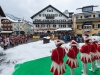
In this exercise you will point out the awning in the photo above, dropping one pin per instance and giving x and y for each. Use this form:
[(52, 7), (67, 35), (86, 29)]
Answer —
[(63, 29), (6, 31)]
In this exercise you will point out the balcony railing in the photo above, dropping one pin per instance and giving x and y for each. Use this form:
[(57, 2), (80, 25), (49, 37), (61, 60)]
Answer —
[(50, 22), (88, 30), (88, 19), (6, 26), (6, 22)]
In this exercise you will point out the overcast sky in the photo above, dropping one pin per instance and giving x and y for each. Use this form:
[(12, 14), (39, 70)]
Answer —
[(27, 8)]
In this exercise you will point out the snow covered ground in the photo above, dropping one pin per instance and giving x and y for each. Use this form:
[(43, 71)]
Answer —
[(24, 53)]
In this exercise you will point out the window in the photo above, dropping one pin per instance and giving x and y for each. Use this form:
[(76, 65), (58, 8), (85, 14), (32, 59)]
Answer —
[(60, 15), (96, 15), (79, 17), (56, 15), (64, 26), (37, 25), (52, 10), (49, 10), (8, 28), (44, 25), (61, 26), (87, 16), (95, 26), (54, 25), (79, 26), (48, 25), (87, 9), (99, 15), (5, 28), (40, 15), (93, 15)]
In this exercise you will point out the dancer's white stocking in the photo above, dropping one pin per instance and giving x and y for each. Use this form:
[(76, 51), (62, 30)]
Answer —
[(72, 71), (85, 69)]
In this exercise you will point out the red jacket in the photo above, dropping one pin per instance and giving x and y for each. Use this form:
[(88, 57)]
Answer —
[(72, 53), (12, 39), (5, 40), (58, 55), (93, 48), (98, 48), (86, 48)]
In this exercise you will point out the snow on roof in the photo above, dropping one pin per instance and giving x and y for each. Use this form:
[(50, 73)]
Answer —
[(63, 29), (11, 19)]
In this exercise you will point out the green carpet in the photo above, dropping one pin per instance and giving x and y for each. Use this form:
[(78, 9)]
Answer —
[(42, 67)]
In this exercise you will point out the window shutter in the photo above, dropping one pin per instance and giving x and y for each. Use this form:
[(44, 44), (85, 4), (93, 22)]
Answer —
[(93, 26), (98, 25), (81, 16), (77, 27), (82, 26)]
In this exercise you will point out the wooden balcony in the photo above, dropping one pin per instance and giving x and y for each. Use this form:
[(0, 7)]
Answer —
[(6, 22), (7, 29), (6, 26), (50, 22)]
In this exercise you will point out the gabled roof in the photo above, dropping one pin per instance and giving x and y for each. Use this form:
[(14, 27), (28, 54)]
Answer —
[(46, 8), (1, 12)]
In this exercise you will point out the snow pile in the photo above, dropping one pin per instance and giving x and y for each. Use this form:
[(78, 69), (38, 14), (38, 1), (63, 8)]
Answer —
[(47, 37), (95, 37)]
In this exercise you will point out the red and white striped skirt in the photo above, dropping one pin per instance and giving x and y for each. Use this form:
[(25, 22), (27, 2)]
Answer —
[(73, 63), (57, 69), (86, 58), (98, 54), (94, 56)]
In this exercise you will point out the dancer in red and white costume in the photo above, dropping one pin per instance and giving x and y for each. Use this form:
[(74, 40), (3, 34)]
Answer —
[(98, 50), (58, 66), (86, 55), (72, 56), (94, 54)]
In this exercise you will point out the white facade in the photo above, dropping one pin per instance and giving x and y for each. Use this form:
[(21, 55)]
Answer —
[(43, 24)]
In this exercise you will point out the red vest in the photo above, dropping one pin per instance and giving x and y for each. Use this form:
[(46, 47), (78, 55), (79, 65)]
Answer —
[(86, 48), (93, 48), (98, 48), (72, 53), (58, 55)]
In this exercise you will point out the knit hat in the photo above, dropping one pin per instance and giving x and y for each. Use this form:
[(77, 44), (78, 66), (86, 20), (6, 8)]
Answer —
[(57, 42)]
